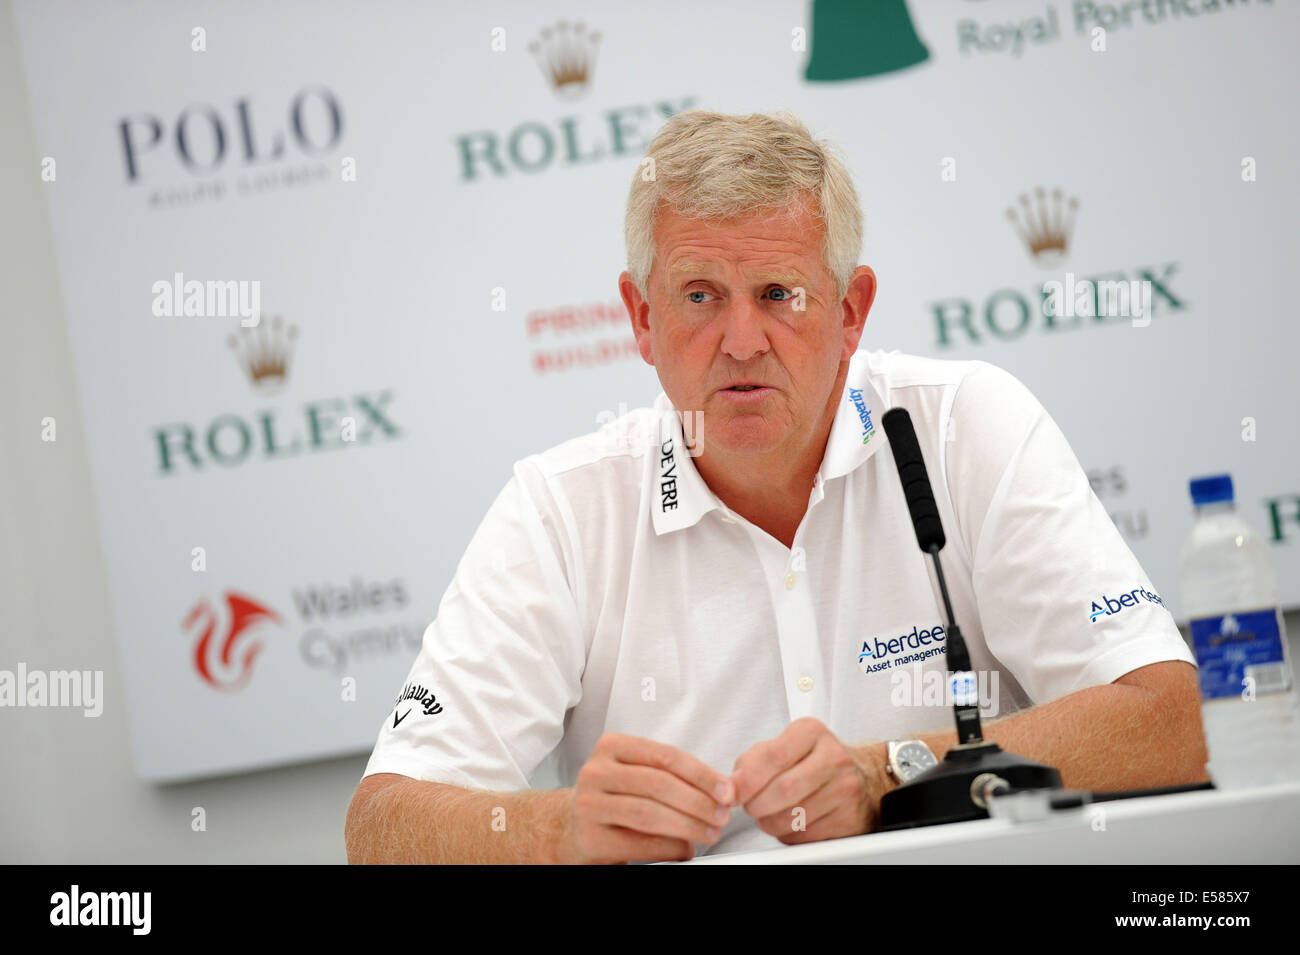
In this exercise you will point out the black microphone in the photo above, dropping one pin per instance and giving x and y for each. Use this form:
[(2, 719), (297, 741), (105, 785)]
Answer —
[(971, 772), (929, 535)]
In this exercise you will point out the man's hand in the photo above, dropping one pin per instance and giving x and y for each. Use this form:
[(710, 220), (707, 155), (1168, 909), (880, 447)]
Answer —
[(806, 785), (638, 800)]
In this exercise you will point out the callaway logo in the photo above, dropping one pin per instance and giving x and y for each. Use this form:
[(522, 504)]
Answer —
[(1110, 606), (422, 697)]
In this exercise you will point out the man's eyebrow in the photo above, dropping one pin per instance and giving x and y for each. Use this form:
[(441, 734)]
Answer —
[(790, 277), (686, 265)]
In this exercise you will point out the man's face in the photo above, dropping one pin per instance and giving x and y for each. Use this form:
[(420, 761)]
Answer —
[(747, 302)]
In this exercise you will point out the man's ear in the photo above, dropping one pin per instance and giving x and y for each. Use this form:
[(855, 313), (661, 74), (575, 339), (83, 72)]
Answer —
[(638, 310), (855, 306)]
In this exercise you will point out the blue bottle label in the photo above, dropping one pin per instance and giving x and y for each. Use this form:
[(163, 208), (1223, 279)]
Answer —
[(1240, 654)]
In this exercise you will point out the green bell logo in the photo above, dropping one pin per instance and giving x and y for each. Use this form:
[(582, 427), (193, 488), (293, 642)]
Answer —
[(852, 40)]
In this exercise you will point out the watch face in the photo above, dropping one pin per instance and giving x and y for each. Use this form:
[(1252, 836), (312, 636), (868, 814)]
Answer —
[(912, 759)]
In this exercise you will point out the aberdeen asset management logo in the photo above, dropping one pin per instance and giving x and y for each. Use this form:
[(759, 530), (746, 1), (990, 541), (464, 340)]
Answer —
[(914, 647), (227, 644), (1110, 606)]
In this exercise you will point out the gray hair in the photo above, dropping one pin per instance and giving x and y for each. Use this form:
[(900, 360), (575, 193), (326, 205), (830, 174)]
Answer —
[(717, 166)]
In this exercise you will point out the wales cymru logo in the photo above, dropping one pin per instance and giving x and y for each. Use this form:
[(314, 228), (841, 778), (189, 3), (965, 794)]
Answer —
[(227, 642)]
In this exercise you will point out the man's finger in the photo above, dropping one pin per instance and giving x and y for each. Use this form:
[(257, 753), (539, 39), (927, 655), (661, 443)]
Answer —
[(763, 762), (792, 787), (838, 823), (647, 752), (651, 818), (638, 847), (809, 812), (666, 788)]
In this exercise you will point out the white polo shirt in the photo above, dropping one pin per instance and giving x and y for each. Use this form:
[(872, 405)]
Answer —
[(608, 589)]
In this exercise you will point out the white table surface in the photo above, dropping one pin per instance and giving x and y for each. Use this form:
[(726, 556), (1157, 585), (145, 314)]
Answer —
[(1197, 828)]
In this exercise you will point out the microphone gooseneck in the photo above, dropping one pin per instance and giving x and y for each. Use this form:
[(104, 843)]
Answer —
[(929, 535), (975, 769)]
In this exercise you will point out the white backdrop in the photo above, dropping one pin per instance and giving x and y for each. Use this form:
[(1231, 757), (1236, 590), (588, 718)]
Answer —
[(456, 298)]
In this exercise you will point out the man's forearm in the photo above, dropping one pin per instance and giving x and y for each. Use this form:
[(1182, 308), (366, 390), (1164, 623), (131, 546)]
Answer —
[(415, 822), (1108, 737)]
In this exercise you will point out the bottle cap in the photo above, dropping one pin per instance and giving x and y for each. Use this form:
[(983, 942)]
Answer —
[(1211, 490)]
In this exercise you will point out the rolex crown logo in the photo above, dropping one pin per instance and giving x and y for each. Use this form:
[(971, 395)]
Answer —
[(1045, 224), (566, 53), (263, 352)]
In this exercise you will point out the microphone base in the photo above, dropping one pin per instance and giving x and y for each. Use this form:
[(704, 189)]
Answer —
[(942, 793)]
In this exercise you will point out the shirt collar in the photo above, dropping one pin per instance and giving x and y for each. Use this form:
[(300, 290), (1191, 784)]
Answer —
[(678, 495), (856, 431)]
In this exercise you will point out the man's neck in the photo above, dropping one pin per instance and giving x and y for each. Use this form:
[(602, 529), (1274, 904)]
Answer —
[(771, 490)]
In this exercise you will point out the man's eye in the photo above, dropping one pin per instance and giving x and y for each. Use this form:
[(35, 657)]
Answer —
[(783, 294), (692, 296)]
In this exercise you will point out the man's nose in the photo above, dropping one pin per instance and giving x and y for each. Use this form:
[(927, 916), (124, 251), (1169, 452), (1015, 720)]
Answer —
[(743, 335)]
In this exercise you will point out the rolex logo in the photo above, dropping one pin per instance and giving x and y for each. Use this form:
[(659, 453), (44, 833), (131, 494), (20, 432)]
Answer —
[(566, 54), (1044, 224), (263, 352)]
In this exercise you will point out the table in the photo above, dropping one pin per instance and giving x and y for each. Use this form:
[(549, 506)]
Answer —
[(1209, 827)]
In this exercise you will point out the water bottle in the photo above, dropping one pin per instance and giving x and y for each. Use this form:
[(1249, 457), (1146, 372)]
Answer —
[(1249, 705)]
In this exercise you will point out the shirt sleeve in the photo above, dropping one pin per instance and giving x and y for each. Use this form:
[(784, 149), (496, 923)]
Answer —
[(501, 664), (1063, 602)]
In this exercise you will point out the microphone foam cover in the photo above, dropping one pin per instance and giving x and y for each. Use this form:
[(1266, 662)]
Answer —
[(915, 480)]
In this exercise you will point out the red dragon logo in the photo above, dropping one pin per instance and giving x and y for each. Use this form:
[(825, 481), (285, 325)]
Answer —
[(225, 658)]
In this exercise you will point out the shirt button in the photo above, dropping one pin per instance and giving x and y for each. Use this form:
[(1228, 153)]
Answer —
[(805, 683), (790, 581)]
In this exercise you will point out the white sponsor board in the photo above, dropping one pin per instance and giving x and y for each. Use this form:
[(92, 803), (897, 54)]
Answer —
[(429, 199)]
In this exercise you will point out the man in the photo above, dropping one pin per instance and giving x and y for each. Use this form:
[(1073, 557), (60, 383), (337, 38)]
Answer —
[(713, 613)]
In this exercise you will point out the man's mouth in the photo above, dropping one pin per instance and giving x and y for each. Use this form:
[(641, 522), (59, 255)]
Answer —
[(747, 392)]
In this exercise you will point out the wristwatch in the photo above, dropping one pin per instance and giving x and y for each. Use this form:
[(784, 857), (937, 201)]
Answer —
[(908, 758)]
